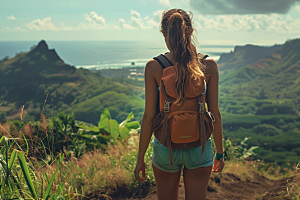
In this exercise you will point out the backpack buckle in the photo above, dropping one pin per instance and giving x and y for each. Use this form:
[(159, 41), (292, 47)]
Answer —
[(201, 107), (167, 106)]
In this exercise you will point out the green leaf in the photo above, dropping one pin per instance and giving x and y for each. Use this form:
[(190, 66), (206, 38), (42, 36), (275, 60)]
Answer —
[(26, 174), (129, 118), (133, 125), (124, 133), (89, 128), (111, 126), (104, 115), (12, 159), (2, 139), (254, 149)]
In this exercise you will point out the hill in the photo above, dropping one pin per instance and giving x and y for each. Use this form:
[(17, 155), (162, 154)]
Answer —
[(40, 75), (261, 100), (244, 55)]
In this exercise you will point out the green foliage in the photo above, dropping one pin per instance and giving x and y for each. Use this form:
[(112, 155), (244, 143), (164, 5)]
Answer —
[(238, 151), (242, 152), (62, 133), (16, 170), (149, 175), (266, 130), (109, 128)]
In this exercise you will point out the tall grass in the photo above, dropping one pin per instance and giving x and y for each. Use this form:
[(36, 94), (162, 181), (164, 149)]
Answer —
[(19, 179), (111, 170)]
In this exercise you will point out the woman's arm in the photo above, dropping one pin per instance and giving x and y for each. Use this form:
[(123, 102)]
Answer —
[(150, 109), (213, 104)]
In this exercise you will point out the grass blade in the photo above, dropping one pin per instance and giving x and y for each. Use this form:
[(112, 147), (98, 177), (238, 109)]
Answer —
[(6, 159), (46, 177), (25, 171), (2, 138), (52, 178), (17, 182), (42, 188), (26, 143), (12, 159)]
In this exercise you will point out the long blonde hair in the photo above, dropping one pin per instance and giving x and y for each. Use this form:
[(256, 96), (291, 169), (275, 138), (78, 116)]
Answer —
[(177, 26)]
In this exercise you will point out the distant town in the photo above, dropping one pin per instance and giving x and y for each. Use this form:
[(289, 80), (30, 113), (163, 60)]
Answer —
[(125, 72)]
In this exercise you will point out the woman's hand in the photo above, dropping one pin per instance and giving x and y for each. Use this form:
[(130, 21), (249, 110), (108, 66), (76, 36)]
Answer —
[(218, 165), (140, 166)]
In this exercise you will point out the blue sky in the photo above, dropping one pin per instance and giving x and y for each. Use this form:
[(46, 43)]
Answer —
[(218, 22)]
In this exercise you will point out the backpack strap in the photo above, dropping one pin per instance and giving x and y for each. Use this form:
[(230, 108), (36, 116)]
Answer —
[(166, 135), (202, 56), (163, 61), (201, 119)]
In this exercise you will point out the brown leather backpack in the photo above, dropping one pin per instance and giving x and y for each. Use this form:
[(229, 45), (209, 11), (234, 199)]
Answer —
[(187, 127)]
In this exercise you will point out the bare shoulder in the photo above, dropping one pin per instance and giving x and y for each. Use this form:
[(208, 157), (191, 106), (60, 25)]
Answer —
[(153, 68), (211, 67)]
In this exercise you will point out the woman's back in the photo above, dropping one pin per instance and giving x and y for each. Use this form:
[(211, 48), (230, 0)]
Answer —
[(177, 29)]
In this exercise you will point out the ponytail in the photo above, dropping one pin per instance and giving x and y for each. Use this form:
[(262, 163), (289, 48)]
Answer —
[(178, 29)]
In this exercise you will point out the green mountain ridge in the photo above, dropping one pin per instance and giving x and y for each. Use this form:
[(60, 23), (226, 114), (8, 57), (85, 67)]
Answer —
[(27, 78), (262, 101), (244, 55), (278, 73)]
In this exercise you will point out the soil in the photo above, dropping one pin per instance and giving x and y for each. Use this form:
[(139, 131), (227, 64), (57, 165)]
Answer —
[(227, 187)]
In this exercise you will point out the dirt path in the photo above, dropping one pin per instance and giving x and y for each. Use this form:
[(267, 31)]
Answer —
[(227, 187)]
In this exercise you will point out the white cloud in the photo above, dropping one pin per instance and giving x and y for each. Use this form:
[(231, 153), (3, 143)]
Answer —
[(137, 22), (11, 17), (41, 25), (93, 21), (273, 22), (260, 22), (123, 24), (16, 29), (297, 9), (46, 25), (135, 14), (165, 3)]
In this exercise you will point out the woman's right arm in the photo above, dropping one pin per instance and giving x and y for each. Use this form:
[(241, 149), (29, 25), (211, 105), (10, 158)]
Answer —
[(213, 106)]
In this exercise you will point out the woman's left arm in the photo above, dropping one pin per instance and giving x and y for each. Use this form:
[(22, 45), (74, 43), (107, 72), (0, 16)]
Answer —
[(149, 113)]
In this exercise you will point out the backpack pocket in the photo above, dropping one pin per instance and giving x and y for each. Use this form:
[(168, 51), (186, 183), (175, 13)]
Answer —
[(184, 126)]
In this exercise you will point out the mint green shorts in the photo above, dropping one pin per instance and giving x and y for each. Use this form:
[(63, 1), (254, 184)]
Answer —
[(189, 158)]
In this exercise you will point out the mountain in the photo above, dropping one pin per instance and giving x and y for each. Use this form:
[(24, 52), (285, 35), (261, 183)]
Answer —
[(261, 101), (244, 55), (282, 63), (40, 75), (271, 82)]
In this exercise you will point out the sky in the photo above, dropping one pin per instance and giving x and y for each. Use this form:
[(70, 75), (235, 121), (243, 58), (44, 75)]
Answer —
[(218, 22)]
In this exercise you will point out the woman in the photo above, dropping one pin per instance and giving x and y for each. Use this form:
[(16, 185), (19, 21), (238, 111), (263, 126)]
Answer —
[(177, 29)]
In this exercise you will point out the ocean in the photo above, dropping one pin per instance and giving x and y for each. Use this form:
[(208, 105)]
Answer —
[(105, 54)]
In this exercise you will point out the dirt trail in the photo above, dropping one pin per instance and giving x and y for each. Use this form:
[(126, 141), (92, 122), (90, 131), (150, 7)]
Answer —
[(227, 187)]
